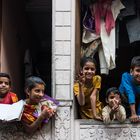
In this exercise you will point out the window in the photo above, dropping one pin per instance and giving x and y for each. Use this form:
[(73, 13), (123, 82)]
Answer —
[(125, 50)]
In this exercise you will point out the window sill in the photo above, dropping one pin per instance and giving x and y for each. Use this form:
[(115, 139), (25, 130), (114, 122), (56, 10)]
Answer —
[(95, 122)]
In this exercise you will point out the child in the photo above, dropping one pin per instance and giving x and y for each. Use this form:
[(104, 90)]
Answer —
[(86, 89), (39, 108), (6, 96), (130, 89), (113, 110)]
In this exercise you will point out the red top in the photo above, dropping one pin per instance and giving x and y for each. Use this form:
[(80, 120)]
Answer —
[(9, 98)]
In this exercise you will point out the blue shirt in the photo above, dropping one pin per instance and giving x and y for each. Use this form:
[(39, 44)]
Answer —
[(129, 87)]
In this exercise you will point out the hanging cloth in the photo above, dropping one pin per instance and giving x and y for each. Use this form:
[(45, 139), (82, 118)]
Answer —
[(108, 42), (102, 10)]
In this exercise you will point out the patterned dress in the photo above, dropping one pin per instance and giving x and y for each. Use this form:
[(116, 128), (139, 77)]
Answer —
[(32, 112)]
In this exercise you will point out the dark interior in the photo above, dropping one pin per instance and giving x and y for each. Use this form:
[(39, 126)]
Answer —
[(124, 53), (38, 18)]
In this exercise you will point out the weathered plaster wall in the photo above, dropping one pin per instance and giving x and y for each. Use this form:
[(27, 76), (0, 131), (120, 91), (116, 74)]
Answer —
[(63, 48)]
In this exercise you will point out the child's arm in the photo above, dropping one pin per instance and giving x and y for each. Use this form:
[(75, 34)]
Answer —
[(34, 126), (121, 114), (93, 104), (114, 109), (81, 96), (126, 87), (106, 115), (134, 117)]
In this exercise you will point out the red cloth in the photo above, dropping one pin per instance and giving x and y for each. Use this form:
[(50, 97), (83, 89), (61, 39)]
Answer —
[(102, 10), (28, 114), (10, 98)]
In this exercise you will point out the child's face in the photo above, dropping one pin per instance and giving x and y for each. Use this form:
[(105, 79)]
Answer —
[(89, 70), (136, 74), (4, 86), (36, 93), (113, 99)]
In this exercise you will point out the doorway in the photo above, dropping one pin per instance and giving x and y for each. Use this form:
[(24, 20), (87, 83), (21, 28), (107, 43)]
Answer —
[(125, 51)]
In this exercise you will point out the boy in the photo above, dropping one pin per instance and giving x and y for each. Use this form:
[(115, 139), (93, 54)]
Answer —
[(113, 110), (130, 88), (6, 96)]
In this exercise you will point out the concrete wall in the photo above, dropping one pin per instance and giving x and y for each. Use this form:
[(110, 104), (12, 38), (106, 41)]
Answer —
[(63, 66)]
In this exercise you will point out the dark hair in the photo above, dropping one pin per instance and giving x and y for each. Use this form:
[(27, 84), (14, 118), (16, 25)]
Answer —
[(84, 60), (135, 62), (31, 82), (2, 74), (112, 89)]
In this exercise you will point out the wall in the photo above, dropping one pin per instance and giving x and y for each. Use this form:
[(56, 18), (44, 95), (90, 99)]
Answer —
[(66, 127), (63, 66)]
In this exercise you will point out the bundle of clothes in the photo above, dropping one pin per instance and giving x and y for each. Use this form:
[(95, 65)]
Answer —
[(99, 23)]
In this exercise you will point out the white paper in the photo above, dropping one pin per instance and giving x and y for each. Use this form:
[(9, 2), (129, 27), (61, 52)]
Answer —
[(11, 112)]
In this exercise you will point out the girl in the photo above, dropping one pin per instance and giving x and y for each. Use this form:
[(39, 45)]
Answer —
[(86, 89), (39, 108)]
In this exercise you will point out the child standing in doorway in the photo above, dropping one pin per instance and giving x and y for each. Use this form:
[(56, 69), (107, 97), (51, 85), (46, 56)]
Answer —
[(39, 108), (86, 90), (6, 96)]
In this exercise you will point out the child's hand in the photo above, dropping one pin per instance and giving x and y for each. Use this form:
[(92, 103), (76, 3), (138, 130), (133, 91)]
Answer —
[(115, 109), (134, 118), (115, 106), (96, 117), (80, 78), (47, 112)]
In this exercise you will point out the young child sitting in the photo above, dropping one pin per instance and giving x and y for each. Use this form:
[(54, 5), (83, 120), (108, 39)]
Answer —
[(39, 108), (114, 110), (6, 96), (130, 90), (86, 89)]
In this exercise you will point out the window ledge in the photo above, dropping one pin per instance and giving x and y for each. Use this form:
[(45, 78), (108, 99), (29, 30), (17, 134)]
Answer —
[(95, 122), (91, 130)]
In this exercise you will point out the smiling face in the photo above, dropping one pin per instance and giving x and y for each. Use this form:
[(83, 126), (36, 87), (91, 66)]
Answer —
[(89, 70), (136, 74), (36, 93), (4, 86)]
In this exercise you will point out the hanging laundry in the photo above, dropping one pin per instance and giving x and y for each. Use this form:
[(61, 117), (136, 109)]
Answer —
[(106, 30), (101, 10), (133, 28), (131, 15)]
